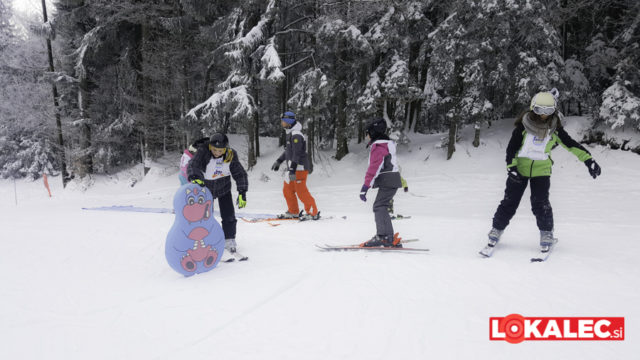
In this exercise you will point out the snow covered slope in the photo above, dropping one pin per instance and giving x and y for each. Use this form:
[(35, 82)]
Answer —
[(95, 285)]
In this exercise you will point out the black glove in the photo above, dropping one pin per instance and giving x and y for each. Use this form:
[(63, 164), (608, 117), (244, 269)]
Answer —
[(514, 174), (594, 168), (276, 165)]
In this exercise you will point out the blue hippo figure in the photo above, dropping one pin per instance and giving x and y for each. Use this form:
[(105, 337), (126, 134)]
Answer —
[(195, 242)]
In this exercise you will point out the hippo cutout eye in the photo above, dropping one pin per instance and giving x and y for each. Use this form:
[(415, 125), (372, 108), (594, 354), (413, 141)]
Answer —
[(191, 201), (200, 199)]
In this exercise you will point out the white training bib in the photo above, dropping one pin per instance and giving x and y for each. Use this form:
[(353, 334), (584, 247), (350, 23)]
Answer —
[(533, 147), (216, 169)]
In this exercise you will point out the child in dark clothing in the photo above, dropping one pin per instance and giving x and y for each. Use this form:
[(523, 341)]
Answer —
[(383, 173), (213, 166)]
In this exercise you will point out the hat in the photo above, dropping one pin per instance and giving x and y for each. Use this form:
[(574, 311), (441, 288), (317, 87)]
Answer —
[(289, 117), (219, 141), (377, 126)]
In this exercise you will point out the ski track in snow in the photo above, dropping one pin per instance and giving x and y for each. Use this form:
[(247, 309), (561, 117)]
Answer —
[(95, 284)]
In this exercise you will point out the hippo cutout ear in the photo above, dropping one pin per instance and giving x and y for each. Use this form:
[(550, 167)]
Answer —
[(195, 242)]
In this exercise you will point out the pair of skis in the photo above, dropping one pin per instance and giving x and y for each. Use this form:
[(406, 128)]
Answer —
[(231, 256), (359, 247), (541, 256)]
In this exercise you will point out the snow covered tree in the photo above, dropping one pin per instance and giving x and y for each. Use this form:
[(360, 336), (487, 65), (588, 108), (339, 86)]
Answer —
[(620, 108), (344, 49), (235, 96), (577, 86), (310, 99), (27, 130)]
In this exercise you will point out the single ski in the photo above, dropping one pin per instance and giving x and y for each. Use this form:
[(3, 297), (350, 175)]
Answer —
[(238, 256), (487, 250), (327, 247), (227, 257), (543, 255), (273, 221), (257, 220), (400, 217)]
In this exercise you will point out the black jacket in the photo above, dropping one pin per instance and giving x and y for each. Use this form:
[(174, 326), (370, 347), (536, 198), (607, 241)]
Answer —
[(219, 182)]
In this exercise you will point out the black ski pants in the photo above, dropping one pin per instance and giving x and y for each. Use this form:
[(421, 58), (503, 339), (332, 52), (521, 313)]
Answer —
[(228, 215), (539, 202)]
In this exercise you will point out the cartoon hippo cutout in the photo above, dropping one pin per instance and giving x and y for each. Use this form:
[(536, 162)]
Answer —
[(195, 242)]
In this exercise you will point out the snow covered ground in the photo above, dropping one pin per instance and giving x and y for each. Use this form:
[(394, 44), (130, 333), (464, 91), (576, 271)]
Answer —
[(95, 284)]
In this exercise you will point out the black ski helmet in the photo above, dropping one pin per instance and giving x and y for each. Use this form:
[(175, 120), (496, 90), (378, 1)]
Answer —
[(219, 140), (376, 127)]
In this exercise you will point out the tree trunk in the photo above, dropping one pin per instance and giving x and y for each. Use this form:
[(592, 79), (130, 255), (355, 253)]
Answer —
[(54, 88), (476, 137), (251, 133), (86, 158), (453, 129), (341, 127), (311, 140)]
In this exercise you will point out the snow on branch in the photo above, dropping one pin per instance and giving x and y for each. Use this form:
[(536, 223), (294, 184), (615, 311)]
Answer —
[(236, 101), (271, 64), (89, 40), (43, 30), (256, 34)]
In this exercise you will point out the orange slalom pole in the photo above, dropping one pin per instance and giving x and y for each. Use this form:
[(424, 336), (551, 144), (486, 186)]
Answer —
[(46, 183)]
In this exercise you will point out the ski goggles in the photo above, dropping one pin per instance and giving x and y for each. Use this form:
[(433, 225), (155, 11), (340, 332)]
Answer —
[(544, 110)]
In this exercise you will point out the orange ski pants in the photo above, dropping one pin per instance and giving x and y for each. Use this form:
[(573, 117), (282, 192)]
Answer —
[(299, 188)]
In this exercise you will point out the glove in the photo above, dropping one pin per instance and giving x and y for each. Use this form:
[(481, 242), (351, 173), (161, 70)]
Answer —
[(276, 165), (242, 200), (405, 186), (594, 168), (292, 176), (514, 174), (198, 182), (363, 193)]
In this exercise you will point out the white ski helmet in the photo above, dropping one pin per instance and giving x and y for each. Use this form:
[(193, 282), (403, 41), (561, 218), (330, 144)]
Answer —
[(543, 103)]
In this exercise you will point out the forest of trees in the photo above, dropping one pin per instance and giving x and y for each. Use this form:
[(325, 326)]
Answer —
[(94, 86)]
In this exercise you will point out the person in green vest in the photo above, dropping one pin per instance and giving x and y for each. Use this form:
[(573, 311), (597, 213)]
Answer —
[(537, 131)]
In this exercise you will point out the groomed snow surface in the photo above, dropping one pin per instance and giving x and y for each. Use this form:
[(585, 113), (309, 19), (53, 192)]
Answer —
[(78, 284)]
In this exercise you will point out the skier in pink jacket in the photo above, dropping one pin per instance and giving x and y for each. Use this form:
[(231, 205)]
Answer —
[(383, 173), (187, 155)]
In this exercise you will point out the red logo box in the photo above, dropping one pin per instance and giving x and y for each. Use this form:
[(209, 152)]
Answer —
[(516, 328)]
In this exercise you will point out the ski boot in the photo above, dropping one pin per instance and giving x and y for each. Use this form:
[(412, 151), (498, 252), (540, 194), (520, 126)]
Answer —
[(546, 240), (383, 240), (288, 215), (230, 245), (309, 216), (494, 237)]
